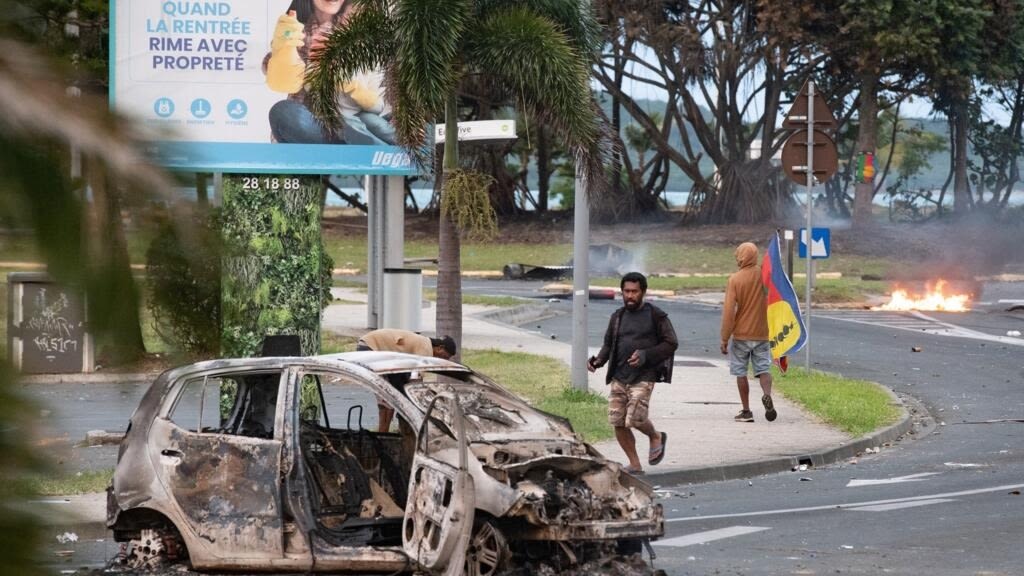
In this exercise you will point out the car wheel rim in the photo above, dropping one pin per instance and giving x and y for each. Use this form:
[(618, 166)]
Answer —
[(487, 551)]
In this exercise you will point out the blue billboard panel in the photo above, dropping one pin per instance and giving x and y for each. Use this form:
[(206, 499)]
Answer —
[(219, 88)]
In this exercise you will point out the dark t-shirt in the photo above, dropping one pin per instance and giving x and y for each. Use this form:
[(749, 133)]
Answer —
[(636, 332)]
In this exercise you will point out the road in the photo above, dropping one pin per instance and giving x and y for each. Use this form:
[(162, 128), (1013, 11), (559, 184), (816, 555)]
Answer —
[(948, 503)]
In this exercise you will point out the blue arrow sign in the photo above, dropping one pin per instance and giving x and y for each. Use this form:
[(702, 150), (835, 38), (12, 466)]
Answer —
[(821, 243)]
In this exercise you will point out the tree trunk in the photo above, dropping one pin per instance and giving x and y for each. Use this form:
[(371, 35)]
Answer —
[(617, 128), (960, 190), (864, 192), (449, 279), (119, 315), (202, 196), (543, 168)]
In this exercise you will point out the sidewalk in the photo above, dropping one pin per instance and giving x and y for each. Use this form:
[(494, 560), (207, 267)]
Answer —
[(695, 410)]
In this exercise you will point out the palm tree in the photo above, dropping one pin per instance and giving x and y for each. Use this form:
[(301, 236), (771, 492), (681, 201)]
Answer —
[(539, 50)]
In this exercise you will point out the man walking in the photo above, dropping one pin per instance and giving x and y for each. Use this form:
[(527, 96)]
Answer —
[(745, 321), (640, 343), (394, 340)]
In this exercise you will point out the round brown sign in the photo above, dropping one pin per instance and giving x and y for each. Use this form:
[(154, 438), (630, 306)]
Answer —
[(794, 157)]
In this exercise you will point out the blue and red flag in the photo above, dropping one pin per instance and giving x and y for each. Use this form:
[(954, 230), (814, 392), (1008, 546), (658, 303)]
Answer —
[(786, 333)]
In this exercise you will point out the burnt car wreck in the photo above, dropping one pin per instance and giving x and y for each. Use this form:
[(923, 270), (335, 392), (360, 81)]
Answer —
[(270, 465)]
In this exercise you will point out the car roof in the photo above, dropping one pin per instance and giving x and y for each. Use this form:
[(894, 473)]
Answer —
[(384, 362)]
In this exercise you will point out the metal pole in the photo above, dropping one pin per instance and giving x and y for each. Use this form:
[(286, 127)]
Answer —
[(375, 250), (790, 247), (810, 203), (580, 280)]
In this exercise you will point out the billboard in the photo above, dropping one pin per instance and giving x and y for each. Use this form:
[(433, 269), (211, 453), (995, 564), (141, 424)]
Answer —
[(219, 85)]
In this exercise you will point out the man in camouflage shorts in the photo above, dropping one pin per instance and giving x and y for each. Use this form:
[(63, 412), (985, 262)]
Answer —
[(641, 344)]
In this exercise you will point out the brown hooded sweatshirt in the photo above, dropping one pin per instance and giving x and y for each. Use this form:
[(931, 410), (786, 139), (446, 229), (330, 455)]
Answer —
[(745, 315)]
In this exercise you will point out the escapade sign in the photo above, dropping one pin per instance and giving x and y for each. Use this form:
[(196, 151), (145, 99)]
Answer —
[(219, 85)]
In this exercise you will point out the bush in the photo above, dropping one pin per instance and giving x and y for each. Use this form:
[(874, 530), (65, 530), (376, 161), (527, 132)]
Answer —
[(183, 279)]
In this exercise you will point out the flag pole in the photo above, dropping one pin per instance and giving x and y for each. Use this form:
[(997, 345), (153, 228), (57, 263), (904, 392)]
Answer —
[(808, 241)]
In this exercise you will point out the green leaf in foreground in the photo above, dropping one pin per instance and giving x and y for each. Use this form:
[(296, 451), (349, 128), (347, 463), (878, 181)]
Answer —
[(544, 382), (856, 407)]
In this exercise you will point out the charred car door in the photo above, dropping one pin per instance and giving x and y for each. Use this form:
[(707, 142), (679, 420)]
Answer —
[(218, 452), (440, 507)]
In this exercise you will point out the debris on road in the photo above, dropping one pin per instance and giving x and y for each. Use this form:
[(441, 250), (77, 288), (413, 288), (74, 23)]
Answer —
[(915, 349), (103, 438)]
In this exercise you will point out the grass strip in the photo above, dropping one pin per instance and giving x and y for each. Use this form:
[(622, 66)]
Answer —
[(78, 483), (544, 382), (856, 407)]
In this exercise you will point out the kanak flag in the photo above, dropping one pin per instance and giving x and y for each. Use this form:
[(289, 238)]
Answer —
[(786, 332)]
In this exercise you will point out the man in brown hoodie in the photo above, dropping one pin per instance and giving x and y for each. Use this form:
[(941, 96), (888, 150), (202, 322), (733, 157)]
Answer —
[(745, 321)]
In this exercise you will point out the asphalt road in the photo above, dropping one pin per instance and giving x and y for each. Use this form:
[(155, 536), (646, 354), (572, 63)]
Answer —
[(948, 503)]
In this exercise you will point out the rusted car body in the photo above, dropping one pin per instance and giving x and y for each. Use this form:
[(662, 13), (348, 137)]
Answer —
[(269, 464)]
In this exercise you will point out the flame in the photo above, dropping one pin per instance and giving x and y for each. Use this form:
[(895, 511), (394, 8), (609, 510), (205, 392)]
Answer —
[(934, 299)]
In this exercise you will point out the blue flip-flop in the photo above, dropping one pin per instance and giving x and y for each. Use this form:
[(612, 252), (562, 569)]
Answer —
[(655, 456)]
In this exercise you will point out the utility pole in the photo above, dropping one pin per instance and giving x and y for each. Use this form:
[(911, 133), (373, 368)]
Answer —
[(580, 279)]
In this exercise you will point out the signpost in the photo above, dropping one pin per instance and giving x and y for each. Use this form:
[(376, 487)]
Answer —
[(809, 115), (820, 243)]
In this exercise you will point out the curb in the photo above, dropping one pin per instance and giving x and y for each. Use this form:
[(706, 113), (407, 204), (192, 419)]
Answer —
[(89, 378), (752, 468), (521, 314)]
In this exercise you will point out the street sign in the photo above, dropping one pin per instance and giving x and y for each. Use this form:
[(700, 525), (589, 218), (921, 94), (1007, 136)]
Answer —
[(493, 130), (796, 118), (821, 243), (794, 157)]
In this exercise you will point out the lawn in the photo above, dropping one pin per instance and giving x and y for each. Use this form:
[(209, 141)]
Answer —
[(856, 407)]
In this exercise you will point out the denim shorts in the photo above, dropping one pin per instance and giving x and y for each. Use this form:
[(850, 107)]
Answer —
[(745, 352)]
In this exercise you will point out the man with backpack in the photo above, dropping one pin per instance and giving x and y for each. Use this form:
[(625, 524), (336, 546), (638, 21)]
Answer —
[(640, 344)]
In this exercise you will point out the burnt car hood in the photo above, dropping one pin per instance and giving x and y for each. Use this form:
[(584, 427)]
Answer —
[(493, 415)]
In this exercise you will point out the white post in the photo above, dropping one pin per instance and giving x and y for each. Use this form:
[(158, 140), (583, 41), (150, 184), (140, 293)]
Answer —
[(810, 204), (580, 280), (375, 249)]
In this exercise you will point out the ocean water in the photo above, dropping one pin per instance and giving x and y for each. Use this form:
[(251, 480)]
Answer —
[(676, 199)]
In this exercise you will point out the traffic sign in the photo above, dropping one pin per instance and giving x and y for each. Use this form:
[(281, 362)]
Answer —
[(796, 118), (821, 243), (794, 157)]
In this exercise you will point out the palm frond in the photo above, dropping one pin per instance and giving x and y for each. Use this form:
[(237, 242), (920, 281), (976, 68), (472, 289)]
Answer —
[(539, 62), (365, 42), (36, 108), (575, 18), (429, 35)]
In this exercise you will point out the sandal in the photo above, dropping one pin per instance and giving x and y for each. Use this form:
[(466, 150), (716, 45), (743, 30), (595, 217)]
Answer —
[(656, 455), (633, 471)]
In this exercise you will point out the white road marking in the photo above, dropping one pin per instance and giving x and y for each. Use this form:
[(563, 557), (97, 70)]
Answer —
[(1004, 487), (901, 505), (917, 322), (708, 536), (896, 480)]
